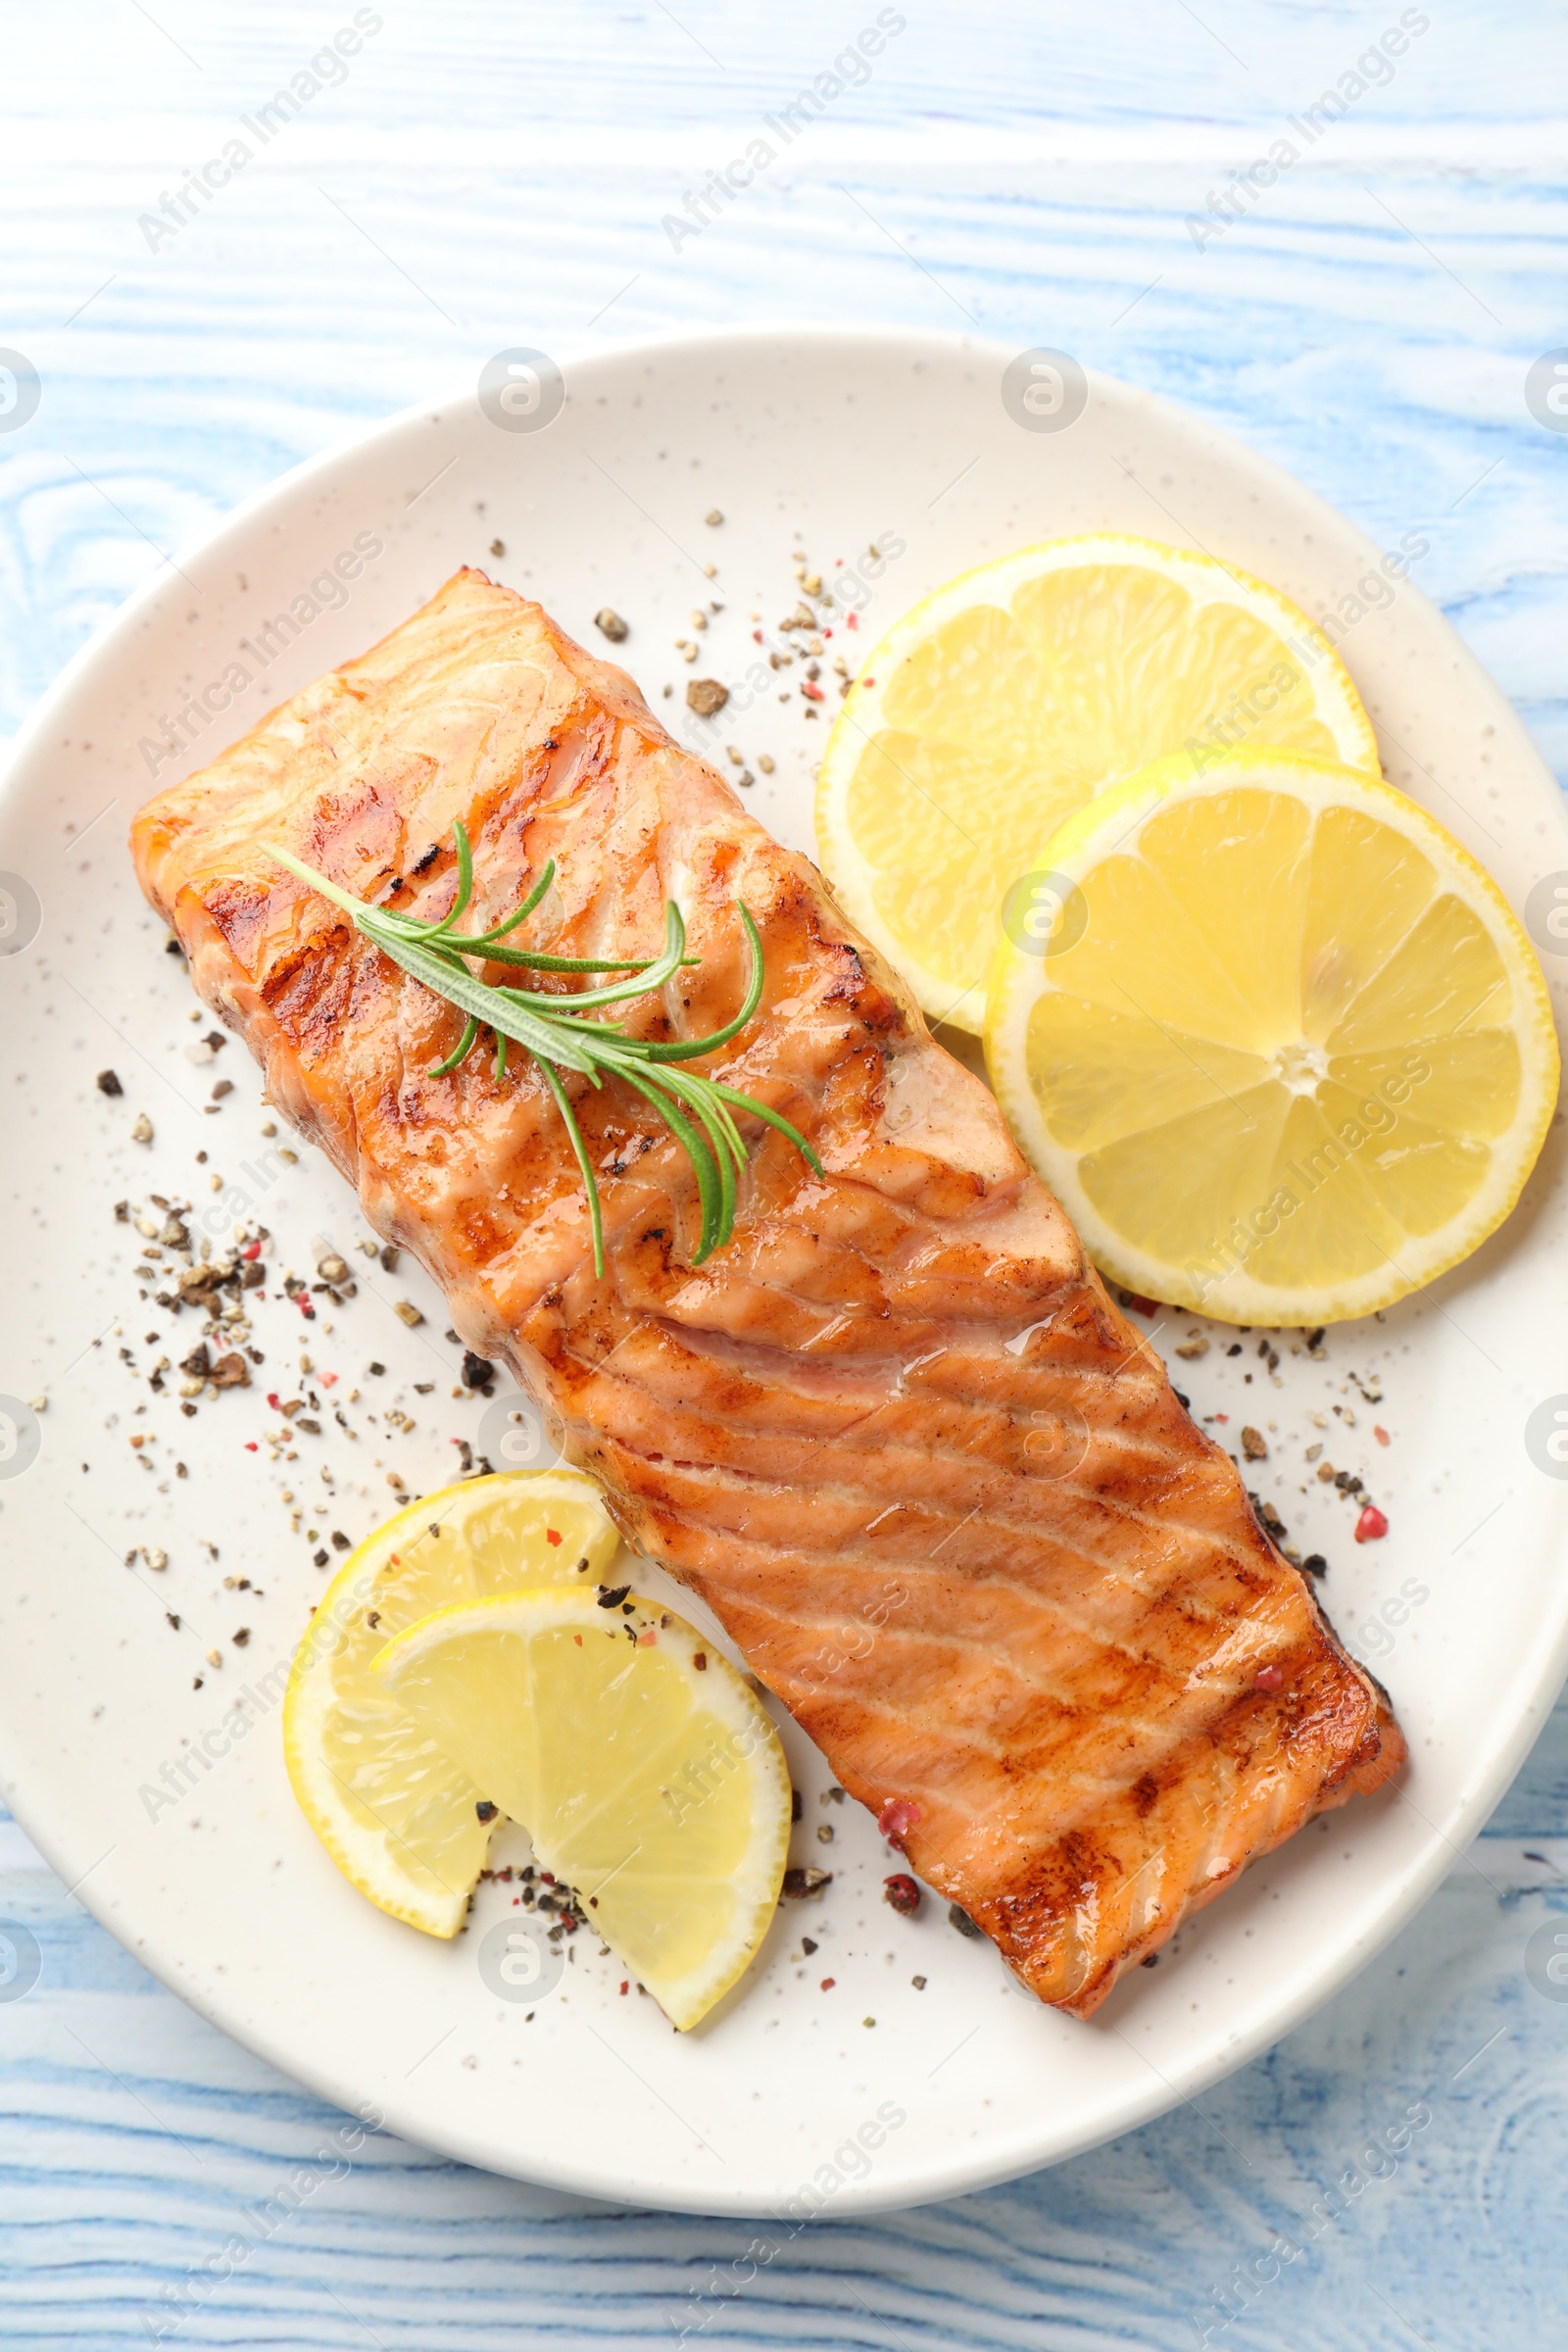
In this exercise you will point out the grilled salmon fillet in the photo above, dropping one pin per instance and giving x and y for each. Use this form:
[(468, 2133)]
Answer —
[(896, 1433)]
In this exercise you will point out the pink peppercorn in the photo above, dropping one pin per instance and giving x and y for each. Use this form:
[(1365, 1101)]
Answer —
[(897, 1818)]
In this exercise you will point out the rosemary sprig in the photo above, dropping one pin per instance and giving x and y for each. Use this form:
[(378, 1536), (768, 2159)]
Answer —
[(560, 1033)]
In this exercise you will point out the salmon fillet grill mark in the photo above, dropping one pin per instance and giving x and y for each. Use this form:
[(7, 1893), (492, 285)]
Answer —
[(896, 1435)]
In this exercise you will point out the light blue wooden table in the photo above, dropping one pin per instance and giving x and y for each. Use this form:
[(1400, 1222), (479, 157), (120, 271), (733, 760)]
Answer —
[(476, 178)]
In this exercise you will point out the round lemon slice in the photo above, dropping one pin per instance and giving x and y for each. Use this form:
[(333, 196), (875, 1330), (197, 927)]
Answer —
[(1011, 696), (381, 1799), (643, 1769), (1274, 1040)]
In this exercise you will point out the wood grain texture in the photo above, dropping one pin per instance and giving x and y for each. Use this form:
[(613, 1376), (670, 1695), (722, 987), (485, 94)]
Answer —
[(477, 179)]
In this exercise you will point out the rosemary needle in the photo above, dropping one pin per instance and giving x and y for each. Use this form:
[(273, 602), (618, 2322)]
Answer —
[(562, 1034)]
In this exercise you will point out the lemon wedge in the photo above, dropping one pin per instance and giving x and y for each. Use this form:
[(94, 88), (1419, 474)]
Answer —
[(646, 1772), (1277, 1043), (382, 1800), (1011, 696)]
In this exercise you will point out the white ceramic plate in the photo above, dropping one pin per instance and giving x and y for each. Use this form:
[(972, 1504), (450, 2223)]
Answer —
[(785, 2101)]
